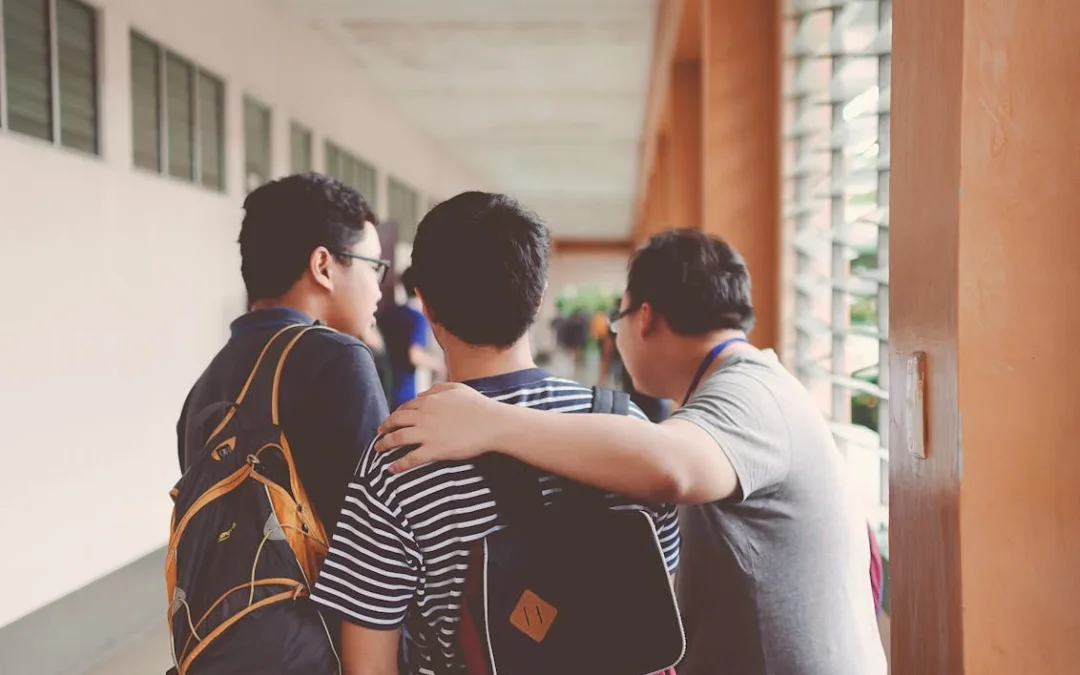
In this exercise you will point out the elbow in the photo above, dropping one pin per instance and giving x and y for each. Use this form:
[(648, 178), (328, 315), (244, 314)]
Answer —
[(673, 485)]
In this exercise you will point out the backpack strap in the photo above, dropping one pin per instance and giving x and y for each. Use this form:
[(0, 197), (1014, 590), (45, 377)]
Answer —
[(610, 402), (515, 486), (259, 396)]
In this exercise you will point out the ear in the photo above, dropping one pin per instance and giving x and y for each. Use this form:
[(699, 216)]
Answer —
[(650, 320), (320, 268)]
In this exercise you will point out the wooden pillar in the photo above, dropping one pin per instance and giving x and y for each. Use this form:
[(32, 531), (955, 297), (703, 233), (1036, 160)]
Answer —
[(984, 251), (663, 186), (684, 149), (741, 136)]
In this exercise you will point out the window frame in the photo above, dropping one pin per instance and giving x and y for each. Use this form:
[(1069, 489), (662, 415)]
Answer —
[(197, 73), (55, 125)]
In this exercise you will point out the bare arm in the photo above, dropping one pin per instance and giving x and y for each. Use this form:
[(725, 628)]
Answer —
[(369, 652), (673, 462)]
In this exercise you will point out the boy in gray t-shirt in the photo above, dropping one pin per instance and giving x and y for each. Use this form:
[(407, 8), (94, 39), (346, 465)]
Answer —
[(774, 579), (775, 558)]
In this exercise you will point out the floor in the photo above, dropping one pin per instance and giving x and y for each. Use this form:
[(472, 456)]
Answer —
[(148, 655)]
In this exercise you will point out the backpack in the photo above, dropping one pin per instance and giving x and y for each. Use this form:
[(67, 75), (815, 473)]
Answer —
[(245, 545), (573, 588)]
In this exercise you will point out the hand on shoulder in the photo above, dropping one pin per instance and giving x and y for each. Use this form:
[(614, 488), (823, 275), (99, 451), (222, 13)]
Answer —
[(449, 422)]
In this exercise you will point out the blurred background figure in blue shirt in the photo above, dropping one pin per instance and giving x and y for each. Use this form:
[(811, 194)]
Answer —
[(406, 332)]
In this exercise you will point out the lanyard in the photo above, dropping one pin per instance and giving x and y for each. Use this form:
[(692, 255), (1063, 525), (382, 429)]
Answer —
[(707, 361)]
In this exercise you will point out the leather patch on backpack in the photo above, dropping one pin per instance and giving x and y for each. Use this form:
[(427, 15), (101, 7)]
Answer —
[(533, 616)]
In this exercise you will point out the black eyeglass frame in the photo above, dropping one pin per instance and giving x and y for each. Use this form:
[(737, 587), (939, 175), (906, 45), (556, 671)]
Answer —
[(382, 267), (616, 315)]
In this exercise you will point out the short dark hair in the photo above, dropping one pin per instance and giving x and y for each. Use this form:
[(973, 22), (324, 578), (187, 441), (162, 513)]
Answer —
[(408, 282), (480, 262), (285, 220), (697, 282)]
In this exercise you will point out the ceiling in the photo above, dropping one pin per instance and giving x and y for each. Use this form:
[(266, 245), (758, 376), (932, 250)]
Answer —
[(544, 98)]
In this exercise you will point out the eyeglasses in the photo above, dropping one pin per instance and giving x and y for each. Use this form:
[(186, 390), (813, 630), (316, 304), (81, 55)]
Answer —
[(615, 316), (381, 266)]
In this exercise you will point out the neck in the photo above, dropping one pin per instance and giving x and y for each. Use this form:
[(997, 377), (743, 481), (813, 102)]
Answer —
[(300, 302), (468, 362), (686, 355)]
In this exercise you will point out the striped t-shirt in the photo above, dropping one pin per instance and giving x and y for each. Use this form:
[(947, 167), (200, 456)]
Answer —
[(398, 555)]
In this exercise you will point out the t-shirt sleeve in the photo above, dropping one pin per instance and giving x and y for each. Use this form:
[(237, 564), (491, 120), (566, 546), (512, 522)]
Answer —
[(667, 522), (667, 531), (370, 576), (341, 418), (746, 422)]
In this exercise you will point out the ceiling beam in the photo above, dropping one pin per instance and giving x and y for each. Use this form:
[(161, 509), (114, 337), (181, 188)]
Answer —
[(561, 246)]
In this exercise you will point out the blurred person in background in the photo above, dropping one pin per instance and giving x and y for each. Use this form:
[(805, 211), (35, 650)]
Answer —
[(372, 337), (406, 331)]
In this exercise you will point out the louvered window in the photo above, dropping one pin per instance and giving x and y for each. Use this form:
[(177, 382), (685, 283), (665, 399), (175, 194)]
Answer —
[(50, 71), (300, 149), (332, 158), (403, 207), (180, 117), (77, 59), (177, 116), (354, 172), (257, 159), (365, 179), (211, 126), (837, 220), (146, 103)]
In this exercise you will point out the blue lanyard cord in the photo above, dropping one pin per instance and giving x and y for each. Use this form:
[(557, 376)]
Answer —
[(708, 361)]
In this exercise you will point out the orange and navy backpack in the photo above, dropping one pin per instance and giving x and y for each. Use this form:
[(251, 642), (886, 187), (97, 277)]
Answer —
[(245, 544)]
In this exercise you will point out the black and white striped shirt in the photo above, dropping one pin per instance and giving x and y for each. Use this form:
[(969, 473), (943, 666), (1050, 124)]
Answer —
[(398, 555)]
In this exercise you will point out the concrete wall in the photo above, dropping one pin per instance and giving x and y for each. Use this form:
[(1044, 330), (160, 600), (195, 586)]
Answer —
[(118, 283)]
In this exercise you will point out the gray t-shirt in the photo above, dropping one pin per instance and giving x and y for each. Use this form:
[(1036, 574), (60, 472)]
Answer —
[(776, 580)]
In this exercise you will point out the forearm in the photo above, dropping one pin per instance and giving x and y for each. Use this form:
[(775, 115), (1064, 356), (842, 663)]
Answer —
[(615, 453)]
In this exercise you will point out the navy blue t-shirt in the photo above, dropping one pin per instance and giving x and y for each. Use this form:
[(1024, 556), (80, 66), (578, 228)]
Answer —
[(331, 401)]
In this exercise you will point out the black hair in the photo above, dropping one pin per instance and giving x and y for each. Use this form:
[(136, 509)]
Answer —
[(480, 262), (285, 220), (408, 281), (697, 282)]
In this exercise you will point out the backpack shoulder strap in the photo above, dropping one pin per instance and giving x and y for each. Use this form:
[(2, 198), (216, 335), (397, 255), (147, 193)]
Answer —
[(259, 396), (610, 402)]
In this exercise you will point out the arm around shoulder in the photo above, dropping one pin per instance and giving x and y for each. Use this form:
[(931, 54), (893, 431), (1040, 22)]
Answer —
[(673, 462)]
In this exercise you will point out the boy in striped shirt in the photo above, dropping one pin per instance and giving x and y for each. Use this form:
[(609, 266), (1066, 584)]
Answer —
[(397, 564)]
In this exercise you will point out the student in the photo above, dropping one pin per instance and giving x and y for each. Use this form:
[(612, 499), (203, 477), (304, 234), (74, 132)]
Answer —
[(397, 559), (406, 331), (309, 252), (775, 554)]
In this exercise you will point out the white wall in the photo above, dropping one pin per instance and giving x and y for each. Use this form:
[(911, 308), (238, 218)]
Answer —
[(117, 284)]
